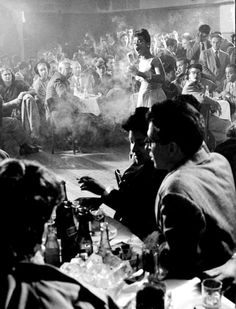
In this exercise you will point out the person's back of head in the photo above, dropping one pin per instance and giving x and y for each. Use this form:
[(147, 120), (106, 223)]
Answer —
[(170, 42), (180, 122), (137, 121), (29, 194)]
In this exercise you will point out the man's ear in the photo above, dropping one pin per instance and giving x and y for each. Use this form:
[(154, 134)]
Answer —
[(174, 149)]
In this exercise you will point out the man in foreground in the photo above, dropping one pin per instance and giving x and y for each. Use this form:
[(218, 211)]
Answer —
[(196, 202), (134, 200)]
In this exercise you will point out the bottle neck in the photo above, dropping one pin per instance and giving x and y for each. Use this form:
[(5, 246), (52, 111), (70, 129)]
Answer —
[(104, 246), (83, 225)]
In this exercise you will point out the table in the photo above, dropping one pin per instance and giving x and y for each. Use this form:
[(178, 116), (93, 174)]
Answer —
[(185, 293), (90, 103)]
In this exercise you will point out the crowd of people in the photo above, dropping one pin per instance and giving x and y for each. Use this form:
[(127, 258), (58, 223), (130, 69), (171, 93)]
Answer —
[(105, 81), (180, 187)]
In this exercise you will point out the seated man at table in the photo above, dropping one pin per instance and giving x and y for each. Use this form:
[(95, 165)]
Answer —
[(30, 193), (196, 202), (134, 200), (215, 112)]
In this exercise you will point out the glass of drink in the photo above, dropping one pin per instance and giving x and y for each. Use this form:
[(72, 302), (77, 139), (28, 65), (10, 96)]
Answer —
[(211, 293)]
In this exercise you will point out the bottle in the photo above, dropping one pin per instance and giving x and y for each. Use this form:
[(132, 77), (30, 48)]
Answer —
[(207, 92), (67, 203), (66, 228), (52, 247), (104, 248), (84, 244)]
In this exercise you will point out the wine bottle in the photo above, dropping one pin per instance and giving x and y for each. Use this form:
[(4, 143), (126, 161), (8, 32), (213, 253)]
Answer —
[(66, 228)]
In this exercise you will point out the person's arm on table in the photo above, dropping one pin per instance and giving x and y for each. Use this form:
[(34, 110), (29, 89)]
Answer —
[(225, 271)]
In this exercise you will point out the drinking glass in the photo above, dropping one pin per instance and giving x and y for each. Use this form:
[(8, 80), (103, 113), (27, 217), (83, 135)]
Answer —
[(211, 293)]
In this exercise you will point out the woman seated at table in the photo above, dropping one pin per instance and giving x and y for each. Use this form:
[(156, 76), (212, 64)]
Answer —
[(135, 198), (30, 192)]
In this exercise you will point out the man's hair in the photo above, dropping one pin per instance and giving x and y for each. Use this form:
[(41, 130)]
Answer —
[(204, 29), (30, 192), (184, 59), (171, 42), (169, 68), (144, 34), (180, 122), (195, 66), (41, 61), (232, 65), (63, 62), (137, 121), (187, 36), (216, 35)]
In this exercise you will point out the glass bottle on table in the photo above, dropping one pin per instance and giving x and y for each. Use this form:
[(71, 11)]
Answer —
[(66, 228), (104, 245), (84, 244), (207, 91), (52, 247)]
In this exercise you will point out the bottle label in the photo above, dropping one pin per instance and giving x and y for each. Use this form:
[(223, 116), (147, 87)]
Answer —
[(52, 256)]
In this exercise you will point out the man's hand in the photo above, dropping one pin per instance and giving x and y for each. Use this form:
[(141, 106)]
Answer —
[(90, 184), (198, 37), (20, 96), (225, 271)]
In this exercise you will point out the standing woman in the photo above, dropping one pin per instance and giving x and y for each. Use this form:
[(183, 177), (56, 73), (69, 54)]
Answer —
[(150, 71)]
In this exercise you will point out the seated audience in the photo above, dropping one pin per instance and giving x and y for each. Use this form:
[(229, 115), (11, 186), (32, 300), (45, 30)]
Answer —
[(229, 88), (134, 200), (181, 73), (169, 87), (18, 102), (14, 139), (215, 112), (41, 70), (196, 202), (30, 193)]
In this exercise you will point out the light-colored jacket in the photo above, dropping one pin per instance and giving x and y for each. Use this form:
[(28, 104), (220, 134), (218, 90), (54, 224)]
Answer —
[(208, 61)]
